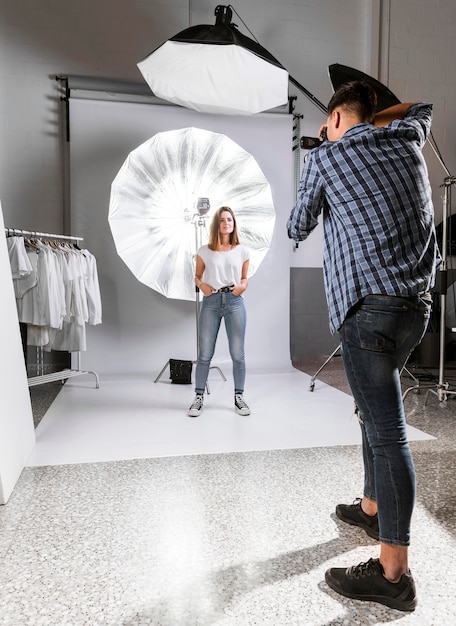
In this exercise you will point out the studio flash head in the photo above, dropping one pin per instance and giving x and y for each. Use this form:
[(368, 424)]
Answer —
[(203, 205)]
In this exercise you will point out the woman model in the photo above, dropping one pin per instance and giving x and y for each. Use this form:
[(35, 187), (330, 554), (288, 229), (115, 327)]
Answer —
[(221, 275)]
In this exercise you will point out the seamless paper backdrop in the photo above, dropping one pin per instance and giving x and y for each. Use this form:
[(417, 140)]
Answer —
[(141, 328)]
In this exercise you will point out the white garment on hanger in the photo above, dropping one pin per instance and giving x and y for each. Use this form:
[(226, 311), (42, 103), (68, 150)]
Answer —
[(23, 283), (58, 296), (92, 289), (19, 261)]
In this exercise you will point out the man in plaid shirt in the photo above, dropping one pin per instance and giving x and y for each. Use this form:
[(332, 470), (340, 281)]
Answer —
[(369, 181)]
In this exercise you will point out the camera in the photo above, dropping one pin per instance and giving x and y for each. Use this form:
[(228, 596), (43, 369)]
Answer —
[(308, 143)]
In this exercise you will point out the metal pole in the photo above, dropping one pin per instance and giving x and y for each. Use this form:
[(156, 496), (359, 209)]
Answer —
[(442, 386), (198, 224)]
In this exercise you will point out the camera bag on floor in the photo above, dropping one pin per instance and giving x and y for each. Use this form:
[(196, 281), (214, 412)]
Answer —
[(180, 372)]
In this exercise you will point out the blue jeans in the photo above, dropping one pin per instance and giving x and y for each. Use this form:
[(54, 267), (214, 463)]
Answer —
[(213, 308), (376, 340)]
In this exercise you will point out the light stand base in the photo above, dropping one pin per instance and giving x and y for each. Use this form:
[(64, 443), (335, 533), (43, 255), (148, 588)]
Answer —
[(215, 367), (212, 367), (161, 372), (416, 387), (313, 378), (442, 392)]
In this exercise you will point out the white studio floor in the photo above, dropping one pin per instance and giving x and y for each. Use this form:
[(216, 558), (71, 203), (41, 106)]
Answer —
[(130, 418)]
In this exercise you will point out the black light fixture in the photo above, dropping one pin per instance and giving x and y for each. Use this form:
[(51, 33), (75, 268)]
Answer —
[(217, 69), (341, 74)]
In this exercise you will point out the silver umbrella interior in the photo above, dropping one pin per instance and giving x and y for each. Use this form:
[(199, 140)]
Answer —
[(165, 194)]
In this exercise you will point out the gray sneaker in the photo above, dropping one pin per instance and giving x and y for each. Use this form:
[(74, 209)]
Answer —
[(240, 404), (197, 405)]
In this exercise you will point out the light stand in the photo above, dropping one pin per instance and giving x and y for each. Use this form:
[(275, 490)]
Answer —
[(199, 221), (442, 388), (442, 391), (314, 377)]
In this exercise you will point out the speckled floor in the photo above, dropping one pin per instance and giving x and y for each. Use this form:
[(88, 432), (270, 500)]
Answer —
[(232, 539)]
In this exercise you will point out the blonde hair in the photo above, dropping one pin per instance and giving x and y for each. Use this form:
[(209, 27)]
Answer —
[(214, 232)]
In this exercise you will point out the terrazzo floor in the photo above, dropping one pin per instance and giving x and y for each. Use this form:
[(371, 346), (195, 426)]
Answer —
[(229, 539)]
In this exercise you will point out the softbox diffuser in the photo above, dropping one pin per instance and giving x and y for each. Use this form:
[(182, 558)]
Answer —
[(216, 69)]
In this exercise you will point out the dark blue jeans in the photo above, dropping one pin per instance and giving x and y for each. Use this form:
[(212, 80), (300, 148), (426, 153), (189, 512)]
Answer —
[(376, 340)]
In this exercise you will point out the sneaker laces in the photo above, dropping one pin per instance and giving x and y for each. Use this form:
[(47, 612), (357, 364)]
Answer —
[(368, 568), (240, 402), (197, 402)]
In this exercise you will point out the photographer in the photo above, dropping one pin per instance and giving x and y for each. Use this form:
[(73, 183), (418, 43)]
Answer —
[(370, 181)]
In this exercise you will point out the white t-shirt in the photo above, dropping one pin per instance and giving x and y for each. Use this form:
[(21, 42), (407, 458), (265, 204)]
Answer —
[(223, 268)]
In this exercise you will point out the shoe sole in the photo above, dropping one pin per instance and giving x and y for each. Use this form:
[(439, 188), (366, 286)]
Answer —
[(372, 533), (391, 603)]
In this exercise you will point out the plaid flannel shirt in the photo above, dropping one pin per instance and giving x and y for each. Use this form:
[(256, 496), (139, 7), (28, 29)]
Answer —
[(373, 190)]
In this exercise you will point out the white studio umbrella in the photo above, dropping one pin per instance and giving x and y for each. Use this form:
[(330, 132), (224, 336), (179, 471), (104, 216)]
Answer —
[(216, 69), (165, 194)]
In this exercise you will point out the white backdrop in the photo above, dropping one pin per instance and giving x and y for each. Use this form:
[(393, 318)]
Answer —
[(142, 329)]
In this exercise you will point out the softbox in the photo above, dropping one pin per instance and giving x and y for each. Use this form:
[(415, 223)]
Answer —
[(340, 74)]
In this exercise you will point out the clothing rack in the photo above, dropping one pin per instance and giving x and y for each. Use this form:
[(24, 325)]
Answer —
[(66, 373), (18, 232)]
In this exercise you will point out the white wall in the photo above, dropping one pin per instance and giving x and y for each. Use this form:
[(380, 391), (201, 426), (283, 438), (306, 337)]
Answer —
[(17, 433)]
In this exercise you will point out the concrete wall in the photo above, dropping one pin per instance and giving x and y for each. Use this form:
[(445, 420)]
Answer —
[(416, 51)]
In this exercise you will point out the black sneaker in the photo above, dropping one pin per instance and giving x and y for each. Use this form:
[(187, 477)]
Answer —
[(240, 404), (196, 407), (367, 582), (354, 515)]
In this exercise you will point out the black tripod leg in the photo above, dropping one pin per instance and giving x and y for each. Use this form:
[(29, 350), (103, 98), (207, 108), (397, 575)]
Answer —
[(312, 380), (160, 375)]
